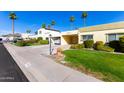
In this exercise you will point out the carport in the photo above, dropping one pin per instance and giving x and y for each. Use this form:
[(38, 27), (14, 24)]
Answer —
[(70, 39)]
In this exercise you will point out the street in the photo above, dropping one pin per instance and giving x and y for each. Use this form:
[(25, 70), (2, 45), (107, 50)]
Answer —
[(9, 70)]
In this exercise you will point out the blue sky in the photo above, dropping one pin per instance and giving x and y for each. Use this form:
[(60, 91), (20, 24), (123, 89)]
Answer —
[(33, 19)]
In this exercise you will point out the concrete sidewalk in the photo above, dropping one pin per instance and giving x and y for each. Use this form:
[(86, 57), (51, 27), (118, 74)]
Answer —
[(39, 68)]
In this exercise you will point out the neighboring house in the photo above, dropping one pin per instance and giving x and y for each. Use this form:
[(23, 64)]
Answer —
[(104, 32), (26, 35), (9, 37), (45, 34)]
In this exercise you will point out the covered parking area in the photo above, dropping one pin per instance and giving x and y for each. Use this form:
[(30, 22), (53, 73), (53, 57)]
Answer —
[(70, 39)]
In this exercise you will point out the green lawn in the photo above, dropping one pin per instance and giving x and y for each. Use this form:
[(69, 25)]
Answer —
[(103, 65)]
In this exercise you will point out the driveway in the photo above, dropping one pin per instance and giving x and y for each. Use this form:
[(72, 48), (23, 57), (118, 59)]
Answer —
[(9, 70), (37, 67)]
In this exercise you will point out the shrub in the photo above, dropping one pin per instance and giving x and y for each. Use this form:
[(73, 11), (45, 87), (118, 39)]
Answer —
[(39, 38), (98, 44), (43, 42), (20, 43), (121, 42), (105, 48), (88, 43), (77, 46), (115, 44)]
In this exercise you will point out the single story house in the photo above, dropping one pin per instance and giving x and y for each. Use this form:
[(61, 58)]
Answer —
[(105, 32)]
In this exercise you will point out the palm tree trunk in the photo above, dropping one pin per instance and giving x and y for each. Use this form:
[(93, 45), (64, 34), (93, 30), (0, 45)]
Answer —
[(84, 22), (71, 25), (13, 28)]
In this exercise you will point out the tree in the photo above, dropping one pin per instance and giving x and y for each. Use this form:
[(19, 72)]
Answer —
[(53, 23), (35, 32), (43, 25), (84, 16), (49, 26), (28, 31), (72, 19), (13, 17)]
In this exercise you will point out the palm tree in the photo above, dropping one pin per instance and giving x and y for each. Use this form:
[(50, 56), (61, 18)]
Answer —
[(72, 19), (28, 31), (49, 26), (13, 17), (53, 23), (35, 32), (84, 16), (43, 25)]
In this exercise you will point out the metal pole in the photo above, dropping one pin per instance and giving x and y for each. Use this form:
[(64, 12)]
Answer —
[(50, 44)]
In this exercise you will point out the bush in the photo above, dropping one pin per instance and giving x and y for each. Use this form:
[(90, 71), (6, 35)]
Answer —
[(20, 43), (105, 48), (115, 44), (88, 43), (39, 38), (121, 42), (98, 44), (77, 46), (43, 42)]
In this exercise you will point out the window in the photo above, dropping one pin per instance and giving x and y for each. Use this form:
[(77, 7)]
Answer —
[(87, 37), (40, 32), (111, 37)]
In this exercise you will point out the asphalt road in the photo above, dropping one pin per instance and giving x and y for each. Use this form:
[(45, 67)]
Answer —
[(9, 70)]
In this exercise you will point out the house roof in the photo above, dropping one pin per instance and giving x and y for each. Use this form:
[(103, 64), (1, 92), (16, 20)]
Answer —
[(52, 29), (109, 26)]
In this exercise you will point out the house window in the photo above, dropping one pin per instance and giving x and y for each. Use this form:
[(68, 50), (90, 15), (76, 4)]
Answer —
[(87, 37), (40, 32), (111, 37)]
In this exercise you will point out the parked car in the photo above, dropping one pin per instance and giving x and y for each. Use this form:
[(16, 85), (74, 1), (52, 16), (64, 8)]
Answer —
[(1, 40)]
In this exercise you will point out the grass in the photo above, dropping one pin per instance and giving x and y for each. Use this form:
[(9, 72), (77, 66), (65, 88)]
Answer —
[(103, 65)]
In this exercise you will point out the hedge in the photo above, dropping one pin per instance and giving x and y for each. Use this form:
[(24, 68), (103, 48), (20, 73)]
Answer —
[(121, 42), (98, 44), (43, 42), (116, 45), (77, 46), (88, 43)]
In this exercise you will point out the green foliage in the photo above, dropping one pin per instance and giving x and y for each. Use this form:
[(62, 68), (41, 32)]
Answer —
[(106, 66), (97, 45), (105, 48), (35, 32), (39, 38), (28, 31), (72, 19), (53, 22), (20, 43), (77, 46), (101, 47), (84, 14), (31, 42), (121, 42), (88, 43), (49, 26), (115, 44), (12, 16), (43, 26), (43, 42)]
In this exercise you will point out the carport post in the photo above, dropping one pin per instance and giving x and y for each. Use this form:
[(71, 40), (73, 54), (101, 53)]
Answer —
[(50, 44)]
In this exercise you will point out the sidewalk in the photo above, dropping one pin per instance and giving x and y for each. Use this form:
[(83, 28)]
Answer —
[(38, 68)]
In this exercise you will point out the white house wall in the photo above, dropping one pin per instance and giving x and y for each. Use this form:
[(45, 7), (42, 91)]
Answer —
[(100, 35)]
